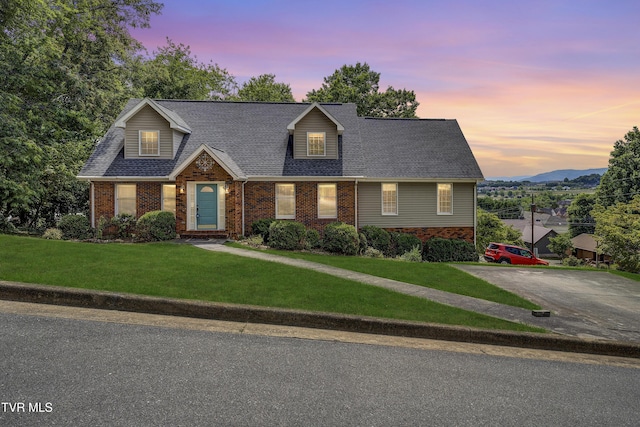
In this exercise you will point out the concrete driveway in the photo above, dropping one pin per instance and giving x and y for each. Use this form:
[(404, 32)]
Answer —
[(596, 304)]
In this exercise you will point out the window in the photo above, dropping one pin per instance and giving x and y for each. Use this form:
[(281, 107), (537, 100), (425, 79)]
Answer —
[(126, 199), (389, 199), (285, 201), (169, 198), (327, 201), (149, 143), (445, 199), (315, 143)]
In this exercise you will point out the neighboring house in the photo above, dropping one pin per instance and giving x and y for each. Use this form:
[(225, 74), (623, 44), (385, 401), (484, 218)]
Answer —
[(585, 248), (541, 235), (220, 166)]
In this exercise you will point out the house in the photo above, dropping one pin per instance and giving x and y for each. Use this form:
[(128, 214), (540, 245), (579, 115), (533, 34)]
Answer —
[(541, 238), (541, 234), (220, 166), (585, 248)]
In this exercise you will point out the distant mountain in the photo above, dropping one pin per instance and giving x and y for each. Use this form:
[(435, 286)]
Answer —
[(557, 175), (560, 175)]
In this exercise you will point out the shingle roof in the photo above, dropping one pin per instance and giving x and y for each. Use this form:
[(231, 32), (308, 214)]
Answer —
[(255, 138)]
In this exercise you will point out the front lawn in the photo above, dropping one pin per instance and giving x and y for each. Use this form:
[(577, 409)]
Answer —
[(183, 271), (431, 275)]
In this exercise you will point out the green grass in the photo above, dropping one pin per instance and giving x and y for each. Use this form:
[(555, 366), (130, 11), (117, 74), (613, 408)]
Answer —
[(431, 275), (183, 271)]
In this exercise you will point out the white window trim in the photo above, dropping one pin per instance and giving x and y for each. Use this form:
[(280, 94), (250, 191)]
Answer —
[(140, 143), (439, 211), (117, 201), (293, 216), (324, 142), (382, 199), (336, 204), (191, 204), (164, 197)]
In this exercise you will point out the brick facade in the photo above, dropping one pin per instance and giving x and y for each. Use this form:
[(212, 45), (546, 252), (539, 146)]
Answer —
[(260, 203), (233, 199)]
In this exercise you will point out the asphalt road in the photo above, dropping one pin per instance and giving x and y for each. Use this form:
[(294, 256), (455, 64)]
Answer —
[(598, 304), (116, 371)]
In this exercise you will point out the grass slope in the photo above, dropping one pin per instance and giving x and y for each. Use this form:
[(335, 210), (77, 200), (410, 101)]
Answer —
[(431, 275), (183, 271)]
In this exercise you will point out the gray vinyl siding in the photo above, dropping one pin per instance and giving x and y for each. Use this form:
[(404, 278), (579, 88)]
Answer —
[(315, 121), (417, 206), (148, 119)]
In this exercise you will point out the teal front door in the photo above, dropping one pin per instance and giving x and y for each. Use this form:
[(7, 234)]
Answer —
[(207, 206)]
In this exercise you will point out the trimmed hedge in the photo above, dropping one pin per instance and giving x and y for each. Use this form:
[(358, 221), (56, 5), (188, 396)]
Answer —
[(156, 226), (75, 227), (377, 237), (341, 238), (288, 235), (437, 249), (312, 239), (401, 243), (261, 227)]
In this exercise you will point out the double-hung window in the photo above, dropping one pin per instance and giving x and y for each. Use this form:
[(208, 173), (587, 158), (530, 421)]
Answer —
[(316, 143), (169, 198), (285, 201), (327, 201), (389, 199), (126, 199), (445, 199), (149, 143)]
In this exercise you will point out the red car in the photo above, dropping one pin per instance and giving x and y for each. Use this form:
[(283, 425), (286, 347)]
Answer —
[(509, 254)]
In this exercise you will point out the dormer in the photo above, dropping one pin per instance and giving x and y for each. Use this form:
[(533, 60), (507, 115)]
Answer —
[(315, 134), (152, 131)]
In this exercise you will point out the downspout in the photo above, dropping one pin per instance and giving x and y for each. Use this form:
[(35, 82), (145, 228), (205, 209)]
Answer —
[(356, 204), (475, 214), (243, 184), (93, 204)]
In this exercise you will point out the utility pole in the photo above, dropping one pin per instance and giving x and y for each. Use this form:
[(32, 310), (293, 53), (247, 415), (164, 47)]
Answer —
[(533, 222)]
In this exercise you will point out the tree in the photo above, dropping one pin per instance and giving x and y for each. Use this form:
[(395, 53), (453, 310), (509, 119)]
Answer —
[(618, 233), (580, 218), (173, 73), (561, 244), (491, 229), (360, 85), (62, 83), (621, 182), (265, 89)]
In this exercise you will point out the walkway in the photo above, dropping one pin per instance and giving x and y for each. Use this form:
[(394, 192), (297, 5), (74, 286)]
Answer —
[(514, 314)]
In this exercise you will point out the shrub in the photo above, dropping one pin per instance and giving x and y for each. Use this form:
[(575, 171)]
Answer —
[(261, 227), (377, 238), (255, 241), (571, 261), (364, 245), (312, 240), (156, 226), (413, 255), (74, 227), (52, 234), (125, 225), (402, 243), (372, 252), (341, 238), (437, 249), (288, 235)]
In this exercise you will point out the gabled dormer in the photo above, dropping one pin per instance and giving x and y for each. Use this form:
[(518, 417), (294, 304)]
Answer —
[(152, 131), (315, 134)]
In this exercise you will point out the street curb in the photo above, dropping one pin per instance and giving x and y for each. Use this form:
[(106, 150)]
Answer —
[(253, 314)]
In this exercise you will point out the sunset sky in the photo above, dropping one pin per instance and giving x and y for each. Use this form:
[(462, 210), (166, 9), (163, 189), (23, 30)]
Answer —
[(535, 85)]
